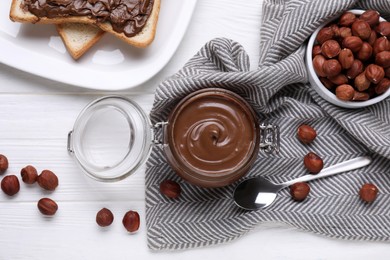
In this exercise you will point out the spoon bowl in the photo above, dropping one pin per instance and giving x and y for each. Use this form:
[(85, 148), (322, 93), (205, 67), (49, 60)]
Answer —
[(258, 192)]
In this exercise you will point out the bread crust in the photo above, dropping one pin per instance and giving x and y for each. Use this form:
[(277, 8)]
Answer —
[(75, 45), (144, 38)]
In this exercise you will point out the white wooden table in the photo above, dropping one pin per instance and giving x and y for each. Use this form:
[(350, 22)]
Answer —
[(35, 117)]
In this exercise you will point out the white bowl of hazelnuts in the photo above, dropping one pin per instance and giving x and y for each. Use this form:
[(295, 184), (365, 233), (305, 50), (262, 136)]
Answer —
[(348, 59)]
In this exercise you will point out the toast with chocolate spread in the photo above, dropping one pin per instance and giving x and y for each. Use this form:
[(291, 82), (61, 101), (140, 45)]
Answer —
[(79, 37), (133, 21)]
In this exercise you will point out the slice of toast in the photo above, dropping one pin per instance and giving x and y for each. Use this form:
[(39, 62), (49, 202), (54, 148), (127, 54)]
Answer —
[(141, 40), (78, 37)]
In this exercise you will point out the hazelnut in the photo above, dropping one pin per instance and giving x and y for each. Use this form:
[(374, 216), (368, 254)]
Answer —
[(316, 50), (171, 189), (381, 44), (318, 63), (47, 206), (382, 86), (313, 163), (383, 28), (10, 185), (29, 174), (362, 29), (383, 59), (371, 40), (104, 217), (345, 92), (299, 191), (327, 83), (3, 163), (347, 19), (330, 48), (339, 79), (131, 221), (48, 180), (368, 192), (346, 58), (325, 34), (331, 68), (306, 134), (356, 69), (353, 43), (360, 96), (374, 73), (370, 16), (365, 52), (361, 82), (345, 32)]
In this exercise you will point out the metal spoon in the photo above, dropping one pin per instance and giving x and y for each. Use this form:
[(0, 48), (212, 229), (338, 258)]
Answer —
[(258, 192)]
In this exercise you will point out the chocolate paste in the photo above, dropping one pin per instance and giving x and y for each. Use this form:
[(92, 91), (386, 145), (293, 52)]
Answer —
[(125, 16), (214, 134)]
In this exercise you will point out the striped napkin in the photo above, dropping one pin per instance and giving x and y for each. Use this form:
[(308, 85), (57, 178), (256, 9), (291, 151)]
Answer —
[(279, 93)]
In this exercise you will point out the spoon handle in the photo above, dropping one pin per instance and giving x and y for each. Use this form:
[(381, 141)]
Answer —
[(349, 165)]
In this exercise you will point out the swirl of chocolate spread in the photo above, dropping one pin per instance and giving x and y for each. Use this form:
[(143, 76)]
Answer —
[(213, 133), (125, 16)]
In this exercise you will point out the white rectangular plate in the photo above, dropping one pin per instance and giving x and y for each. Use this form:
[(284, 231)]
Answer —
[(110, 65)]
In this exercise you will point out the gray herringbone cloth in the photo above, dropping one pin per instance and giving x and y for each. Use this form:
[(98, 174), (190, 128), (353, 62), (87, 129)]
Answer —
[(277, 90)]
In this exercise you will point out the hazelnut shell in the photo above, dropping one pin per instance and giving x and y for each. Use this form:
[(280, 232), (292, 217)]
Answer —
[(10, 185), (374, 73), (325, 34), (313, 163), (318, 63), (382, 86), (368, 192), (361, 29), (383, 59), (47, 206), (345, 92), (170, 188), (383, 28), (371, 17), (361, 82), (365, 52), (330, 48), (48, 180), (331, 68), (354, 43), (346, 58), (356, 68), (306, 134), (347, 19), (360, 96), (104, 217), (131, 221), (3, 163), (29, 174), (381, 44), (299, 191)]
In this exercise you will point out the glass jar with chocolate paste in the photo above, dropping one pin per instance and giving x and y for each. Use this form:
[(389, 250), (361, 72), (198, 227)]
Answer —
[(211, 138)]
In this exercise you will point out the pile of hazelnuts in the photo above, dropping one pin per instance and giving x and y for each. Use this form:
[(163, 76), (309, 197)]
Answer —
[(314, 164), (352, 56), (47, 180)]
